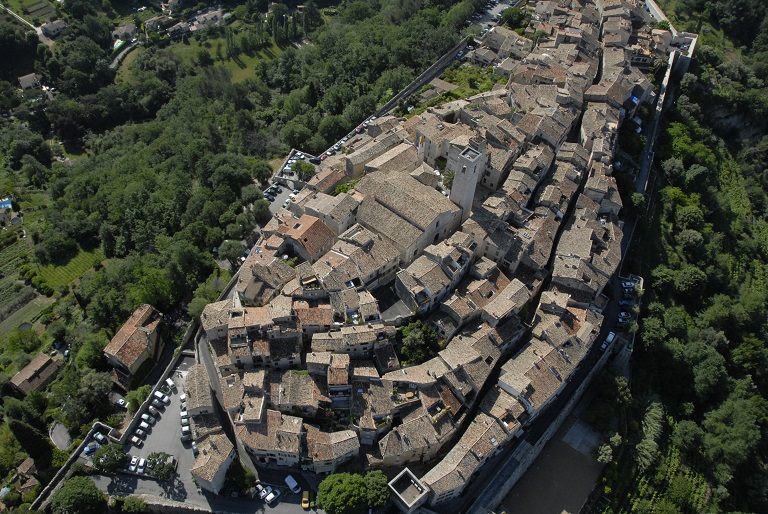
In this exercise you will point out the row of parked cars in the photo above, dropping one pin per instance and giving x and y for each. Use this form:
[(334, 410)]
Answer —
[(337, 147), (149, 418), (269, 494)]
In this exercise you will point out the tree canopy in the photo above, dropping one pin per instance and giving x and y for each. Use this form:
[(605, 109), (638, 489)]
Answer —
[(342, 493), (78, 494)]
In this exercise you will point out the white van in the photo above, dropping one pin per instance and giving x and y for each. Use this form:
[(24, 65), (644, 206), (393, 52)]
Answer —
[(292, 484), (170, 383)]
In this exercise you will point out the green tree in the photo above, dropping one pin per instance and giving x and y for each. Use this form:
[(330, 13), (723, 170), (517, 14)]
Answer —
[(78, 494), (134, 505), (376, 487), (161, 465), (342, 493), (109, 457), (231, 251), (137, 397), (304, 170), (419, 342), (33, 441), (515, 18)]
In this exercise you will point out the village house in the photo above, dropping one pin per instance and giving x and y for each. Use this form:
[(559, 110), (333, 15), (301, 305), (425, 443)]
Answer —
[(328, 450), (277, 440), (137, 341), (37, 374), (216, 454)]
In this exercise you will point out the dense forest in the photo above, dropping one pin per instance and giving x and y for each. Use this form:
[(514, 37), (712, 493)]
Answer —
[(695, 440)]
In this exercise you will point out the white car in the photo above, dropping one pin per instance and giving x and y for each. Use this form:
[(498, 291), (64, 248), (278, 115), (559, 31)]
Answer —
[(140, 433), (184, 414), (185, 422), (183, 397), (133, 464), (138, 443), (149, 419), (264, 492), (163, 398), (100, 437), (142, 465), (274, 495), (194, 449)]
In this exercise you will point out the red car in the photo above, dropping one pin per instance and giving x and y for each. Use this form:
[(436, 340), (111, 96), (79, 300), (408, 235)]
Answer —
[(323, 157)]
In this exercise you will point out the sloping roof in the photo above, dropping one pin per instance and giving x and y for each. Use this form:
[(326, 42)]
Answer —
[(214, 451), (310, 233), (39, 372), (198, 387), (330, 446), (134, 336)]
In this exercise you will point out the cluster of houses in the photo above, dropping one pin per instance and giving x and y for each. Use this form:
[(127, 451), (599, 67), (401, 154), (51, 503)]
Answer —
[(306, 356), (305, 350)]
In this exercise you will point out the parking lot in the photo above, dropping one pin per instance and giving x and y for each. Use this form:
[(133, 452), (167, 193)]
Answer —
[(165, 435), (487, 20)]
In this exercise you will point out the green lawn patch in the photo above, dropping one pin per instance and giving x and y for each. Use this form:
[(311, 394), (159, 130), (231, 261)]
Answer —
[(38, 10), (61, 275), (124, 73), (241, 68), (28, 314)]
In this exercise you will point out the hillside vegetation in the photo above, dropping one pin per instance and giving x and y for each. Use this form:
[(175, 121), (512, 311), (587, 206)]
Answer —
[(698, 417)]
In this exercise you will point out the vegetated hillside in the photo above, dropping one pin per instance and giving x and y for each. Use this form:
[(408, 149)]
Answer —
[(696, 440)]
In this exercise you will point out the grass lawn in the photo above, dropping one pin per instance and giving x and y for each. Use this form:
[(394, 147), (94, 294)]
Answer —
[(30, 10), (57, 276), (28, 314), (470, 80), (124, 71), (241, 69)]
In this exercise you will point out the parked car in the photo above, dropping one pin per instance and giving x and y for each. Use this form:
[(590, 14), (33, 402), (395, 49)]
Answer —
[(91, 448), (292, 484), (265, 491), (305, 500), (158, 404), (134, 463), (608, 341), (140, 433), (287, 203), (269, 197), (138, 443), (186, 437), (183, 397), (625, 315), (314, 160), (163, 398), (185, 422), (195, 451), (628, 285), (148, 419), (184, 414), (259, 490), (274, 495), (122, 403), (100, 437), (141, 466), (152, 410)]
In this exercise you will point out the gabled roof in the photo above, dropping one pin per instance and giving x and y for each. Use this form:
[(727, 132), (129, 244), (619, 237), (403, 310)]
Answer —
[(133, 338)]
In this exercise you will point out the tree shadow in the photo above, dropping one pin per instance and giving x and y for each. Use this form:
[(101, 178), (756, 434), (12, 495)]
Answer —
[(122, 484), (174, 489)]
